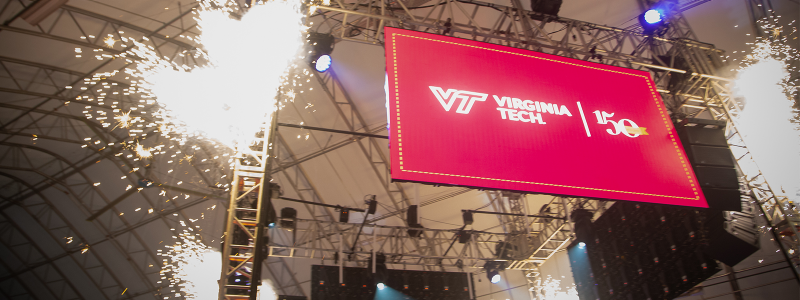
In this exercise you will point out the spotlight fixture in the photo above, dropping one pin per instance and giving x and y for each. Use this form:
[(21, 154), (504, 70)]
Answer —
[(321, 46), (495, 277), (581, 245), (381, 273), (323, 63), (493, 269), (652, 16), (381, 286), (654, 20)]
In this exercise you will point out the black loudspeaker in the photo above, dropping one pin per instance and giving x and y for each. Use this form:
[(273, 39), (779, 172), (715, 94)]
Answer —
[(344, 215), (463, 236), (549, 7), (467, 216), (719, 198), (733, 235), (288, 216), (411, 216), (703, 132), (712, 162), (717, 177), (373, 205), (710, 156)]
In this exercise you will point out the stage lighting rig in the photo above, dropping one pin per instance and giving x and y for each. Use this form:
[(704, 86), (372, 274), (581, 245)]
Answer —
[(321, 46)]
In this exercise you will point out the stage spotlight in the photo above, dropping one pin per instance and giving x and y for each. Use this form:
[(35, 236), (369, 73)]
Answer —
[(323, 63), (381, 286), (321, 46), (495, 277), (493, 269), (652, 16), (654, 20), (582, 245)]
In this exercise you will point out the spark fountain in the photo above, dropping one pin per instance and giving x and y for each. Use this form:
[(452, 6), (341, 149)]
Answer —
[(232, 97), (763, 80), (247, 59)]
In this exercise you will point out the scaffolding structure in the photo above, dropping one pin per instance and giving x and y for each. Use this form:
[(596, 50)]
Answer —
[(701, 93), (684, 69)]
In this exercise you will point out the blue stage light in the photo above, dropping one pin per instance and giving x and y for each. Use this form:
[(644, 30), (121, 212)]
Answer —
[(653, 16), (381, 286), (582, 245), (323, 63)]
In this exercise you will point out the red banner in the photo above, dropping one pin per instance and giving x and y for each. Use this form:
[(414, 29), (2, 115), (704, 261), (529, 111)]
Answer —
[(474, 114)]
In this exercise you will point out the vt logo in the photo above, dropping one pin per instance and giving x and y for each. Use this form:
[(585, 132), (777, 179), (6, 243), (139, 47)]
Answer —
[(447, 98)]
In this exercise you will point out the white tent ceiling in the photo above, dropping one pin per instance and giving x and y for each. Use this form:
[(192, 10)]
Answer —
[(59, 168)]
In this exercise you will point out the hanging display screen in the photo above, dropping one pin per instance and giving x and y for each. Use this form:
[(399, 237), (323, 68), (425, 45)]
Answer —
[(474, 114)]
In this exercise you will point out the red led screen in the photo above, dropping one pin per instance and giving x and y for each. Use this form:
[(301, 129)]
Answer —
[(474, 114)]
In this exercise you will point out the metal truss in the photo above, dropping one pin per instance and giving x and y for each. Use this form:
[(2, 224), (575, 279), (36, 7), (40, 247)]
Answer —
[(249, 207), (684, 69), (327, 241), (44, 115)]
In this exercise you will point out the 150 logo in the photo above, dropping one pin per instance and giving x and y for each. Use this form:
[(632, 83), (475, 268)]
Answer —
[(447, 98), (618, 127)]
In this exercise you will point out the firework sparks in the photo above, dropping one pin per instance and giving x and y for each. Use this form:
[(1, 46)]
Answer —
[(143, 152), (551, 290), (109, 41), (764, 82), (124, 120), (231, 98), (191, 267)]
